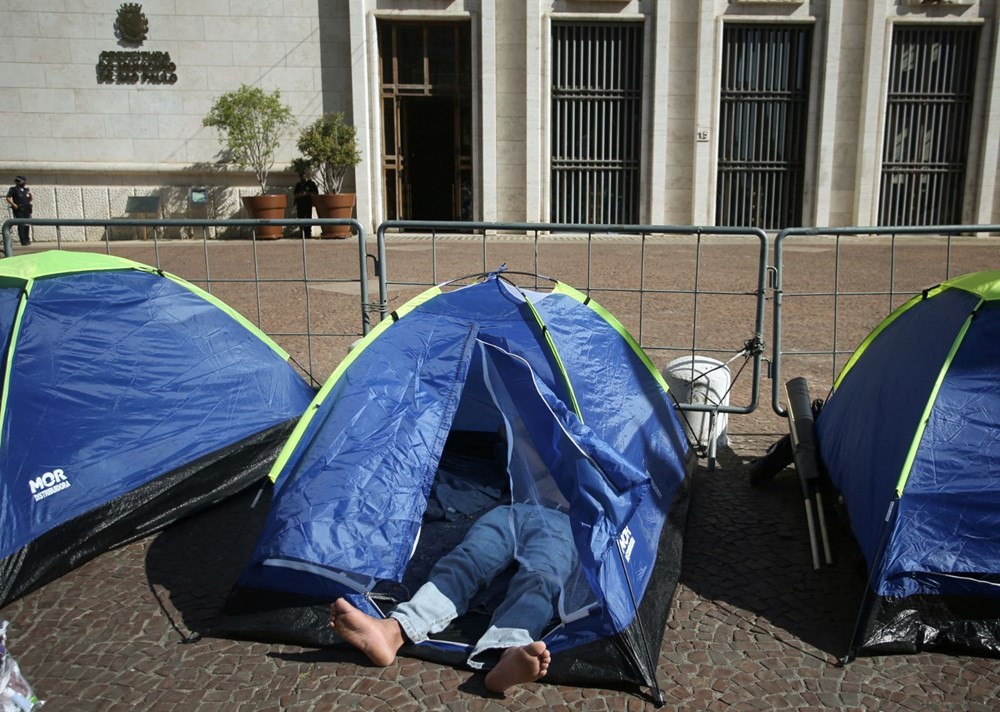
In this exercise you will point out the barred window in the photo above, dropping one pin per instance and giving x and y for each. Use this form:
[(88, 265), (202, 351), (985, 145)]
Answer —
[(763, 121), (928, 111), (596, 122)]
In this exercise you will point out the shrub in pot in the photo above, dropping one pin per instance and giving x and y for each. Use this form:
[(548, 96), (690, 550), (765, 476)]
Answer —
[(329, 148), (251, 122)]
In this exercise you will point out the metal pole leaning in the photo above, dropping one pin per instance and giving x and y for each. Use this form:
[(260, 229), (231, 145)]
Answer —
[(801, 428)]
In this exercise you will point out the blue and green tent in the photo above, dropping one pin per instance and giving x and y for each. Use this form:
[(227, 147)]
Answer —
[(130, 399), (910, 437), (411, 417)]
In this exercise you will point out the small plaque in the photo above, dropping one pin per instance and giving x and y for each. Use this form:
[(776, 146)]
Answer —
[(143, 204)]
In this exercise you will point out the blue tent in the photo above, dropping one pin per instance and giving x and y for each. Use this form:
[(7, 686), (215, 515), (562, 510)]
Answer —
[(130, 398), (909, 437), (412, 415)]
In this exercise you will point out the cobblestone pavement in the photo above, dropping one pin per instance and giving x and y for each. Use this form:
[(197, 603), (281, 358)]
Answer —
[(752, 627)]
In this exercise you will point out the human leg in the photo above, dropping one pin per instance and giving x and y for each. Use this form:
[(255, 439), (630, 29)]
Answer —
[(304, 214), (381, 638), (23, 234), (488, 549), (546, 556)]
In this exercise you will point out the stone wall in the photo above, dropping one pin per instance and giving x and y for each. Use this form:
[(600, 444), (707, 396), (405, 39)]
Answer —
[(88, 137)]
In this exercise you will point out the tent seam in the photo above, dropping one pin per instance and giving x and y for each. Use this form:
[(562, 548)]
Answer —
[(11, 348), (555, 354), (613, 322), (932, 399), (306, 420), (858, 352)]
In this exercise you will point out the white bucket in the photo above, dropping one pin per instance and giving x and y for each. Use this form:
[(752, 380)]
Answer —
[(701, 380)]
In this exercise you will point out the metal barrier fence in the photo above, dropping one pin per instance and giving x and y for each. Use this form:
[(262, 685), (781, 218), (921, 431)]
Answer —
[(298, 291), (833, 286), (681, 291)]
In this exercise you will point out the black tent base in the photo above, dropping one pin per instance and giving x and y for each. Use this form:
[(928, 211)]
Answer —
[(140, 512), (965, 625), (950, 624)]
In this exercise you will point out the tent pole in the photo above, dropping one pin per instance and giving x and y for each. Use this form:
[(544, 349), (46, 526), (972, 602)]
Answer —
[(812, 533), (866, 598), (650, 660), (822, 527)]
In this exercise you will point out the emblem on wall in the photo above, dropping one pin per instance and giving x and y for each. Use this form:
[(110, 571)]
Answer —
[(131, 25), (134, 67)]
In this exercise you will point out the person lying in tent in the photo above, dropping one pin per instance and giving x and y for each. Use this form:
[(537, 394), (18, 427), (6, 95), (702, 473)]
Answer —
[(535, 534)]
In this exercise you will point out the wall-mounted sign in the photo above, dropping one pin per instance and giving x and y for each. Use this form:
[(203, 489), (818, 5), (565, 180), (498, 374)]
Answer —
[(131, 26), (146, 204), (134, 66)]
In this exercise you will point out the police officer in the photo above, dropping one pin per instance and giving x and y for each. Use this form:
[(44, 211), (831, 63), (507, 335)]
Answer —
[(304, 191), (20, 199)]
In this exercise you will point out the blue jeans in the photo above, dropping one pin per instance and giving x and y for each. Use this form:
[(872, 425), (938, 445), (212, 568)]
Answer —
[(537, 537)]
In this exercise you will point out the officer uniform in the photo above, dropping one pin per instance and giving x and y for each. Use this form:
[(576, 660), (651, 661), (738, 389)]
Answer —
[(20, 199)]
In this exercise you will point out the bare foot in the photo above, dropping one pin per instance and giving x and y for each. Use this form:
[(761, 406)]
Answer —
[(378, 638), (519, 665)]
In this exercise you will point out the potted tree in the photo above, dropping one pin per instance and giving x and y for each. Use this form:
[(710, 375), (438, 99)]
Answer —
[(251, 123), (329, 147)]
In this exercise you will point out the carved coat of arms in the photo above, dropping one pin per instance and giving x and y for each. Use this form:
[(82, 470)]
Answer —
[(131, 25)]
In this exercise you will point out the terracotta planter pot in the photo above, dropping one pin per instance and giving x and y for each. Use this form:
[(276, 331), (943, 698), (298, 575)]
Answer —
[(335, 205), (266, 207)]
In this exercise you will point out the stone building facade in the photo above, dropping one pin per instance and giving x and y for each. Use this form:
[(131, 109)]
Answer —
[(770, 113)]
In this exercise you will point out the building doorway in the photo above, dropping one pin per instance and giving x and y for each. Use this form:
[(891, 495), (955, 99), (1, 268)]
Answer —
[(426, 89), (429, 155)]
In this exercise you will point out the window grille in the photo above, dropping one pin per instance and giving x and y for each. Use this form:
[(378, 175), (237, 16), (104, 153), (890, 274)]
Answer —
[(596, 122), (928, 110), (763, 121)]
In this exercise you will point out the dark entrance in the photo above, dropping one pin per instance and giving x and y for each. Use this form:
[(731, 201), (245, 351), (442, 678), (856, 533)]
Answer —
[(429, 157), (426, 89)]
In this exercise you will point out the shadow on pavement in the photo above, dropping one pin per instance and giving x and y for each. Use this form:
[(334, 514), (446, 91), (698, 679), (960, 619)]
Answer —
[(747, 548), (193, 565)]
